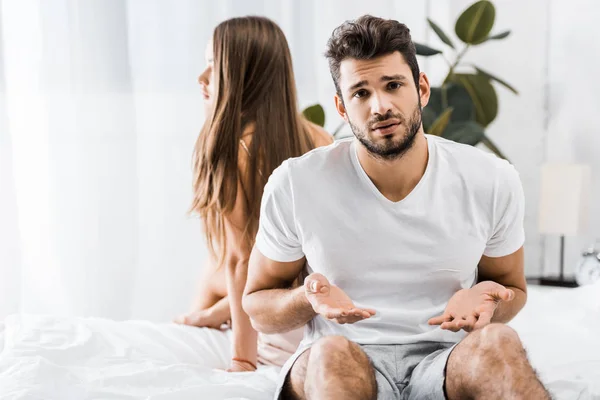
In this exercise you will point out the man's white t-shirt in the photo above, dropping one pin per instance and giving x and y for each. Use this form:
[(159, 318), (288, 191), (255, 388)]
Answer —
[(404, 259)]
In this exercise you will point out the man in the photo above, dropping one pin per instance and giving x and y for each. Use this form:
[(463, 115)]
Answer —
[(413, 244)]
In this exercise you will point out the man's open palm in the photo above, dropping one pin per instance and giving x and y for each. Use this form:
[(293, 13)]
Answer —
[(473, 308), (331, 302)]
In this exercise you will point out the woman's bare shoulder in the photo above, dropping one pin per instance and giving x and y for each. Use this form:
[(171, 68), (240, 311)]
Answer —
[(319, 136)]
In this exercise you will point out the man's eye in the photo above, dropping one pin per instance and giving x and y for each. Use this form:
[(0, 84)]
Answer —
[(360, 93), (394, 85)]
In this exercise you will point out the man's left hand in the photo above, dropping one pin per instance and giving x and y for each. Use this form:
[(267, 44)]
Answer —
[(473, 308)]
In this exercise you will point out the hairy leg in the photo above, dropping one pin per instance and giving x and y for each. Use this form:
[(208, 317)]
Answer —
[(334, 368), (491, 363)]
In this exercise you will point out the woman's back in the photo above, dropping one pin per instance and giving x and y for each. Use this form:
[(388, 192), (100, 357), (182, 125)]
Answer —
[(275, 349), (252, 126)]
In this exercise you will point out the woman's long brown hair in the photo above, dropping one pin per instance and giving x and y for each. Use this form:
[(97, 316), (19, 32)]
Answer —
[(254, 86)]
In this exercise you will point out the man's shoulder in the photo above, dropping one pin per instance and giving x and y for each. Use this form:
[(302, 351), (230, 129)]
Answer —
[(314, 158), (311, 166), (469, 160), (320, 160)]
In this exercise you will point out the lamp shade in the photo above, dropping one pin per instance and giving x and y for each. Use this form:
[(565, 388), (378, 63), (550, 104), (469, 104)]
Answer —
[(564, 198)]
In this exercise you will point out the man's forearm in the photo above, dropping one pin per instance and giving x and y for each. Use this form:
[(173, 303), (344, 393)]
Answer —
[(508, 309), (278, 310)]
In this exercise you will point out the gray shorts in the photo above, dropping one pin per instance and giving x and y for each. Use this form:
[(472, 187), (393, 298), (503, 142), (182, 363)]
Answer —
[(405, 371)]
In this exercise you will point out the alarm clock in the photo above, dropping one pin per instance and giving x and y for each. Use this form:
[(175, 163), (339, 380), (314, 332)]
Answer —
[(588, 268)]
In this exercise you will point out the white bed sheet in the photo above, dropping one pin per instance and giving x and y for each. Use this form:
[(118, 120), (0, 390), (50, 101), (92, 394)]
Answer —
[(74, 358), (45, 357)]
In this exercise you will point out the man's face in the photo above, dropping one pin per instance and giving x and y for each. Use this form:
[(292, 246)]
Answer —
[(381, 103)]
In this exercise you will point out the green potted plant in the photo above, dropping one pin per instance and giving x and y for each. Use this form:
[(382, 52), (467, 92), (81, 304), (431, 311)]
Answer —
[(466, 102)]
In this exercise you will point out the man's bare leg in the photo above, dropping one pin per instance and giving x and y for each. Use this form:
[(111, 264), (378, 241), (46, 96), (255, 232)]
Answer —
[(491, 363), (333, 368)]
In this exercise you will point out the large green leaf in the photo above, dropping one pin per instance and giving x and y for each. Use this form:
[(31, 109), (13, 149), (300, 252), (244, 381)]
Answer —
[(495, 78), (315, 114), (439, 125), (499, 36), (467, 132), (423, 50), (457, 98), (441, 34), (435, 101), (475, 23), (483, 95)]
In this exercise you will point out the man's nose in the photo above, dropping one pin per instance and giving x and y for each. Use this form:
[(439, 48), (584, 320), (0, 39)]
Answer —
[(380, 105)]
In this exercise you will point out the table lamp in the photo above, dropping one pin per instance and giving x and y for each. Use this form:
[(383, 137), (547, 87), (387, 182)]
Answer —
[(564, 206)]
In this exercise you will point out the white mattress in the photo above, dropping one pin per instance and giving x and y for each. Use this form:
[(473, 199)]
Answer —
[(44, 357)]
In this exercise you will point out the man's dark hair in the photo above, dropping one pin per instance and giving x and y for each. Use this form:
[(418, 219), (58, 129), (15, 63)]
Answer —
[(369, 37)]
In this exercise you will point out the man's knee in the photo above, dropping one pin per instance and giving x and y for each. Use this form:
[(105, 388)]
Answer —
[(331, 347), (344, 361), (494, 343), (498, 336), (480, 358), (487, 350), (338, 353)]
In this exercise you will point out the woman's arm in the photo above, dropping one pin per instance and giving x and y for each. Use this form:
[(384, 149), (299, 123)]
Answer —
[(244, 349)]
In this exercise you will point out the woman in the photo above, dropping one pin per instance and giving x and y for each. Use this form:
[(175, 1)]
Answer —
[(252, 126)]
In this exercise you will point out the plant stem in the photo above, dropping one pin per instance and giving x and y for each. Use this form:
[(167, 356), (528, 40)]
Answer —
[(458, 58), (338, 129), (447, 61), (444, 96)]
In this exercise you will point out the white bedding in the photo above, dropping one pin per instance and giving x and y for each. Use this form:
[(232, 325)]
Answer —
[(72, 358), (43, 357)]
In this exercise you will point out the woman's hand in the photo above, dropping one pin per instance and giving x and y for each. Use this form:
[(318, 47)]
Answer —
[(241, 366), (202, 319), (212, 317)]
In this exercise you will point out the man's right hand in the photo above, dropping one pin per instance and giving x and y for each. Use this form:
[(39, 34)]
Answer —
[(330, 302)]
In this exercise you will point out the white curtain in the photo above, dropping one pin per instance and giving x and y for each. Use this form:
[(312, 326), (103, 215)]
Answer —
[(99, 110)]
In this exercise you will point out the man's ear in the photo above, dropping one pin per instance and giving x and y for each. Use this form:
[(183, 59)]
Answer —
[(424, 89), (341, 109)]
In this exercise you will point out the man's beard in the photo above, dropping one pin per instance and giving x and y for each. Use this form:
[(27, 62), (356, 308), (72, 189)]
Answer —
[(391, 148)]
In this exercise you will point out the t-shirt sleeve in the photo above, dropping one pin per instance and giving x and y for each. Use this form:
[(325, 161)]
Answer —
[(508, 234), (277, 236)]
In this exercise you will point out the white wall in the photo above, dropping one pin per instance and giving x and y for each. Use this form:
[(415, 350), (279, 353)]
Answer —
[(171, 250), (551, 57), (573, 106), (99, 115), (101, 109)]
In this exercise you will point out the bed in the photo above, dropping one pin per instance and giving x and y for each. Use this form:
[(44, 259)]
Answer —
[(48, 357)]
